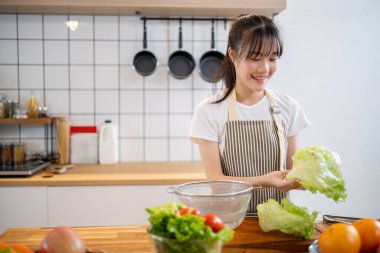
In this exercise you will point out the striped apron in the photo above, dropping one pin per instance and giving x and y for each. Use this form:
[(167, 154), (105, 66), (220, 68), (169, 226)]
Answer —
[(254, 148)]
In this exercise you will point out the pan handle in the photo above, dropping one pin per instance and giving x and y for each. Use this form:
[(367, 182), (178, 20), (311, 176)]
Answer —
[(212, 35), (180, 34), (144, 38)]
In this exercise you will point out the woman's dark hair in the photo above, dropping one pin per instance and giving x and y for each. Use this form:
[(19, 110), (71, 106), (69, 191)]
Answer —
[(249, 36)]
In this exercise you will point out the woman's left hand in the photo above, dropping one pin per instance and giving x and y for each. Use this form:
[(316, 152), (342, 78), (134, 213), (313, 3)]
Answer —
[(278, 180)]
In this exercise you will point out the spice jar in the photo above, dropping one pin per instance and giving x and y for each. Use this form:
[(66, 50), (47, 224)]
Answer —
[(6, 155), (42, 112), (18, 154), (12, 106)]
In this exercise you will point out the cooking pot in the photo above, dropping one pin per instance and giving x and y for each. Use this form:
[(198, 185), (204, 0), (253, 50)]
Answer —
[(145, 62), (210, 61), (181, 63)]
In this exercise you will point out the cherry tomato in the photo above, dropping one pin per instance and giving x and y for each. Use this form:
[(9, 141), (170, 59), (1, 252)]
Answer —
[(195, 212), (184, 211), (214, 222)]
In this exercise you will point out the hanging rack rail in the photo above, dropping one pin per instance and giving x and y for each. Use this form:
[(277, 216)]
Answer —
[(186, 18)]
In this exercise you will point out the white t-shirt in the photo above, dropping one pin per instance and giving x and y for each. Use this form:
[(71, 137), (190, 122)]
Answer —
[(209, 119)]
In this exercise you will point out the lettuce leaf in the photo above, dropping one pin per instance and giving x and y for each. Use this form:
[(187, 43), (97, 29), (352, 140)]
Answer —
[(288, 218), (319, 169)]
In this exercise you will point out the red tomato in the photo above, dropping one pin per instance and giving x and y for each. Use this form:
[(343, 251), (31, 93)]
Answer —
[(195, 212), (214, 222), (184, 211)]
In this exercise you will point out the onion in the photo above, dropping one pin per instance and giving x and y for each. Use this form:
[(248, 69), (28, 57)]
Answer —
[(62, 240)]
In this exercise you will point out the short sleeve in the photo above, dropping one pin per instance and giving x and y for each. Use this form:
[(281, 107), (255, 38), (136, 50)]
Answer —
[(298, 119), (203, 123)]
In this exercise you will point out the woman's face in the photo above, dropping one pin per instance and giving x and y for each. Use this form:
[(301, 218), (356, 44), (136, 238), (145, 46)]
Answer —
[(254, 73)]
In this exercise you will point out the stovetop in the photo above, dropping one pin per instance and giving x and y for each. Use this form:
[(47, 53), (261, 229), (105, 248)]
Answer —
[(27, 169)]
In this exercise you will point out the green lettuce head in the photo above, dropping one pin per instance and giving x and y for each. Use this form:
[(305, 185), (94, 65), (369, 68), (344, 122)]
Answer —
[(288, 218), (318, 169)]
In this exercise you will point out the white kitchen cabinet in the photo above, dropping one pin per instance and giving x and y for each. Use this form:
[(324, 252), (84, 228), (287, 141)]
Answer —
[(23, 207), (103, 205)]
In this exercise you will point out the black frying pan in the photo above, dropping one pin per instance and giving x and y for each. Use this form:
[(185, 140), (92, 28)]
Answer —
[(181, 63), (145, 62), (210, 61)]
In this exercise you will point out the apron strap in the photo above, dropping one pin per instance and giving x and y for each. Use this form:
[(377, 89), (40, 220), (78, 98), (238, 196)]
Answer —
[(275, 110), (231, 104)]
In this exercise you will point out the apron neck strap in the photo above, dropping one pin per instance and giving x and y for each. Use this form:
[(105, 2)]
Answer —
[(275, 110)]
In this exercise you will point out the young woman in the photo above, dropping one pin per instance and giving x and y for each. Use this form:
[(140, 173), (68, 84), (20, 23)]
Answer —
[(247, 132)]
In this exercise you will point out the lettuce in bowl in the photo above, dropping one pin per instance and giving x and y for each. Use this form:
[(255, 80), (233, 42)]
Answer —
[(319, 169), (288, 218)]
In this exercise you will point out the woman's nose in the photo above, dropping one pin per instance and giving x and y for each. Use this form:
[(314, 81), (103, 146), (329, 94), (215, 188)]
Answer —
[(263, 66)]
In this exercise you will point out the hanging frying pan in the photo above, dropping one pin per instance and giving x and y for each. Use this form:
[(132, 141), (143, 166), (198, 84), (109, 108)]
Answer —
[(181, 63), (210, 61), (145, 62)]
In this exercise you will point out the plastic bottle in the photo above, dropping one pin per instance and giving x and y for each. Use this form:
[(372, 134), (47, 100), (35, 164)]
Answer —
[(108, 143), (32, 106)]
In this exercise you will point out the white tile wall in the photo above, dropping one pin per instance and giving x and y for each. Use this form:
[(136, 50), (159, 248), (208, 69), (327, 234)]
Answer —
[(55, 27), (8, 26), (30, 51), (30, 27), (56, 77), (87, 73), (31, 77)]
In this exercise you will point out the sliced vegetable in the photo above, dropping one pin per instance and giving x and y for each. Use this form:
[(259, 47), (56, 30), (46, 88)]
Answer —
[(319, 169), (288, 218)]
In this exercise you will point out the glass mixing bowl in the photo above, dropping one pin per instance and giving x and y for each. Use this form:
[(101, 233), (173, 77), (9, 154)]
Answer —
[(166, 245), (227, 199)]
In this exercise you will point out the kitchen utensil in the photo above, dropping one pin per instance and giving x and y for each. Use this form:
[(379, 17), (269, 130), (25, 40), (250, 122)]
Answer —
[(210, 61), (227, 199), (329, 219), (313, 248), (181, 63), (167, 245), (145, 62)]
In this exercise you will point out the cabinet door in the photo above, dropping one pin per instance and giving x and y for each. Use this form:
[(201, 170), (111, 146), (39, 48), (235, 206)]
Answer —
[(23, 207), (103, 205)]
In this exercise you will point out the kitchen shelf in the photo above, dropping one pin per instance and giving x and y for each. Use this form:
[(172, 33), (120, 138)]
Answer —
[(7, 121), (145, 7)]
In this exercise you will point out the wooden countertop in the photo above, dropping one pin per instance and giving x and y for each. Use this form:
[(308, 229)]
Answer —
[(248, 238), (119, 174)]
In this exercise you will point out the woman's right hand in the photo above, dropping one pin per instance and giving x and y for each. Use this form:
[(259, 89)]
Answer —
[(278, 180)]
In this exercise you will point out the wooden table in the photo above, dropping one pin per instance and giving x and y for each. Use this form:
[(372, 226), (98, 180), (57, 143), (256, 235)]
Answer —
[(248, 238)]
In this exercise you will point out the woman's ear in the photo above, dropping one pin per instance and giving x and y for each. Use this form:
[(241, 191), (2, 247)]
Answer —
[(231, 54)]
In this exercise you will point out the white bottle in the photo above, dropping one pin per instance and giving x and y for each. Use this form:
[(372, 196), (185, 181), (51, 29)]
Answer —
[(108, 143)]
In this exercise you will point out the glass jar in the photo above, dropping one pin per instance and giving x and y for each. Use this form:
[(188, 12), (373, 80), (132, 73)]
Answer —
[(32, 106), (11, 108), (42, 112), (18, 154)]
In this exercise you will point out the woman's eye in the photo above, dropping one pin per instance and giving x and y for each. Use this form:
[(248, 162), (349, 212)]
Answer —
[(255, 59), (273, 59)]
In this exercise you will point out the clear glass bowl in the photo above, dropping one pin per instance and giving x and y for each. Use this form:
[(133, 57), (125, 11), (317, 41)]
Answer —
[(166, 245), (227, 199)]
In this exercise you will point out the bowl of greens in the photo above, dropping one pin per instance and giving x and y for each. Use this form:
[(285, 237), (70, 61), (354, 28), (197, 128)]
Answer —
[(175, 228), (227, 199)]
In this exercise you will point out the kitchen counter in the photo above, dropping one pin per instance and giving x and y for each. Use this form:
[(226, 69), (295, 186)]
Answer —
[(248, 238), (119, 174)]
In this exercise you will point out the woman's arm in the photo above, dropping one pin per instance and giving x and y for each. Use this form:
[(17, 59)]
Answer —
[(292, 148), (210, 155)]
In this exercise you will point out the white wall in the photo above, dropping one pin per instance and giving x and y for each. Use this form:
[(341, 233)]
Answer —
[(331, 66)]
